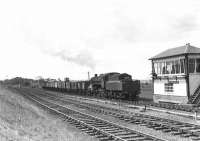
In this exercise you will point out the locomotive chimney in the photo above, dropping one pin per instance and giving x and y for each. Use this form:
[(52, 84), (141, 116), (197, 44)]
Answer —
[(88, 75), (95, 75), (188, 44)]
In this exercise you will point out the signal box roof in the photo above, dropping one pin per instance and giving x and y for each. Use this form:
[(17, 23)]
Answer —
[(183, 50)]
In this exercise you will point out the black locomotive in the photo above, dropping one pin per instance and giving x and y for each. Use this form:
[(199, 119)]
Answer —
[(115, 85)]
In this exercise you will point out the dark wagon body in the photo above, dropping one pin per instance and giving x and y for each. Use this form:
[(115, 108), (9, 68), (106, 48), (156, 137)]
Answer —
[(82, 87)]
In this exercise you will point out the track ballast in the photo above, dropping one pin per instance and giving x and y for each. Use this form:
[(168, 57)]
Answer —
[(94, 126)]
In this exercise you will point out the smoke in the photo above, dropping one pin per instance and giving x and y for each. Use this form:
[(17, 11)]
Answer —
[(57, 49), (82, 58)]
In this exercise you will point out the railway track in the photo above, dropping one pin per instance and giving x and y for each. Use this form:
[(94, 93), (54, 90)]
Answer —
[(165, 125), (170, 126), (102, 129), (170, 106)]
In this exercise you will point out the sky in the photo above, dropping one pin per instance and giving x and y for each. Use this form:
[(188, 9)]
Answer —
[(65, 38)]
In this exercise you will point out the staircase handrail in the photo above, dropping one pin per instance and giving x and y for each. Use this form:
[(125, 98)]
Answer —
[(195, 94)]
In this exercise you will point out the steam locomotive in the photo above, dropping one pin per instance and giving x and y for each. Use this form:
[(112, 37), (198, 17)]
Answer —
[(109, 85)]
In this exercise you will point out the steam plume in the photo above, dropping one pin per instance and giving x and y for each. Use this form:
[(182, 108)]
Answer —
[(83, 58)]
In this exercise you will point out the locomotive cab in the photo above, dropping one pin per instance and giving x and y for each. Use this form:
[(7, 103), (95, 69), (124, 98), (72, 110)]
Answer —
[(121, 86)]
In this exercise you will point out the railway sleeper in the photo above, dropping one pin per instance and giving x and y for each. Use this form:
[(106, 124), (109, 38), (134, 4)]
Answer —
[(195, 138), (124, 134), (107, 127), (100, 135), (187, 129), (90, 128), (147, 121), (85, 129), (72, 122), (137, 140), (121, 117), (111, 129), (196, 130), (191, 128), (131, 136), (150, 126), (177, 133), (127, 119), (154, 126), (92, 134), (101, 125), (81, 127), (196, 133), (166, 130), (89, 122), (160, 128), (77, 123), (107, 137), (117, 131), (178, 126), (143, 139), (116, 114), (90, 131), (142, 121), (135, 120), (98, 123), (187, 135), (143, 124)]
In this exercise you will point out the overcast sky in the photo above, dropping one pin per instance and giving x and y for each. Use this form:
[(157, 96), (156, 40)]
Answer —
[(59, 38)]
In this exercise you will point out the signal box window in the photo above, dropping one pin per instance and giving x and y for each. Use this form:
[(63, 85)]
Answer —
[(191, 65), (182, 65), (171, 67), (177, 66), (198, 65)]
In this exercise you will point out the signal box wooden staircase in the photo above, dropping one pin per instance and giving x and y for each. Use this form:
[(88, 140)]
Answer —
[(195, 98)]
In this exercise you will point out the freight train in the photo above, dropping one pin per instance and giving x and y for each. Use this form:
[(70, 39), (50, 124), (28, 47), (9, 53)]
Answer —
[(109, 85)]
